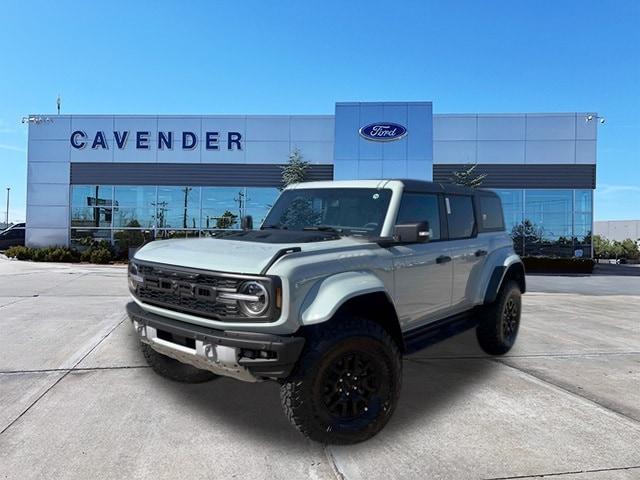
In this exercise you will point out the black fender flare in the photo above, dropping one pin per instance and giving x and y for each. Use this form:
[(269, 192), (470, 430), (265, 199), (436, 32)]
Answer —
[(498, 276)]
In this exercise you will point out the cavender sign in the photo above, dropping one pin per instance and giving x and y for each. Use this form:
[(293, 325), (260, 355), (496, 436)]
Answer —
[(164, 140)]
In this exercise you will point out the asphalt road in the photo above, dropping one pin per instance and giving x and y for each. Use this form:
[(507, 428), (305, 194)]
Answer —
[(78, 401), (606, 280)]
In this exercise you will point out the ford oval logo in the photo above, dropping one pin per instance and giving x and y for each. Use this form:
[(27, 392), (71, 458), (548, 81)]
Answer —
[(383, 132)]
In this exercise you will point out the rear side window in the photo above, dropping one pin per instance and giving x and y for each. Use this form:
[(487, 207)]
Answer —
[(491, 216), (420, 207), (460, 217), (13, 234)]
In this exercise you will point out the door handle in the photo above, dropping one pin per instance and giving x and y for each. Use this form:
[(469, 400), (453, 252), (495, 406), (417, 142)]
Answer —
[(481, 253), (443, 259)]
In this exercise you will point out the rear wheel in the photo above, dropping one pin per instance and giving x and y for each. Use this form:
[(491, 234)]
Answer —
[(173, 369), (500, 322), (347, 382)]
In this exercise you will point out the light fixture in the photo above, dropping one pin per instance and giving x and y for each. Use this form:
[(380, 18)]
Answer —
[(35, 119), (591, 118)]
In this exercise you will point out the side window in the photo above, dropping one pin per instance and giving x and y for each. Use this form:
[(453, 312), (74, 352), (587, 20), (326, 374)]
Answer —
[(491, 217), (460, 217), (420, 207)]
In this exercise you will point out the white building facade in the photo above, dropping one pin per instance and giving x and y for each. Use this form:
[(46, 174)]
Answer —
[(618, 230), (116, 177)]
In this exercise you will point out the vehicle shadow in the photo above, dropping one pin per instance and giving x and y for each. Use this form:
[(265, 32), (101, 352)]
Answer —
[(254, 411)]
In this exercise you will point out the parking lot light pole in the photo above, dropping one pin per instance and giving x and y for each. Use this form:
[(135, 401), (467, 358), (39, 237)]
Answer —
[(7, 218)]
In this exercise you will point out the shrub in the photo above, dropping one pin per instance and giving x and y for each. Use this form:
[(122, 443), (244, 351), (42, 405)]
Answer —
[(61, 254), (39, 254), (19, 252), (47, 254), (96, 251), (558, 265), (101, 255)]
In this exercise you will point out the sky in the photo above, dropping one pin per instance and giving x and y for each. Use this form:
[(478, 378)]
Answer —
[(294, 57)]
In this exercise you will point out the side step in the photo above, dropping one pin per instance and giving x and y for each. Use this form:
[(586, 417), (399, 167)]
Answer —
[(421, 337)]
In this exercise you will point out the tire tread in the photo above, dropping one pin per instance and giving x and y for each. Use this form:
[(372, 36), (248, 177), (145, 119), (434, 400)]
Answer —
[(320, 339)]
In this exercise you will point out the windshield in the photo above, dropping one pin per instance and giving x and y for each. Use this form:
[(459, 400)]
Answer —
[(348, 211)]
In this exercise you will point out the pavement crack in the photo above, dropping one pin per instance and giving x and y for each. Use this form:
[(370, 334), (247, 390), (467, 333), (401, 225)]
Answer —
[(556, 474), (532, 355), (569, 392), (79, 369), (63, 376), (20, 299), (332, 463)]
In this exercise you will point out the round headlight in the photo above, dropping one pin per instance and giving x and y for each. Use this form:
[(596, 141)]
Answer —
[(134, 276), (258, 306)]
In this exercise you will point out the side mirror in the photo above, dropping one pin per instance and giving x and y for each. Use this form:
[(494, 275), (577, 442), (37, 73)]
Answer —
[(247, 222), (412, 232)]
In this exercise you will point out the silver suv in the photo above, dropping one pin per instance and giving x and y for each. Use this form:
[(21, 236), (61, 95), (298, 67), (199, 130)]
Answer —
[(340, 281)]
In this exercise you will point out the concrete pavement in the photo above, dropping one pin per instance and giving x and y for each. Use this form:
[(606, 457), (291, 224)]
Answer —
[(78, 401)]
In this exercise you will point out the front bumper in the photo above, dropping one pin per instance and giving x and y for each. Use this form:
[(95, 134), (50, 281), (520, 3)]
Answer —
[(246, 356)]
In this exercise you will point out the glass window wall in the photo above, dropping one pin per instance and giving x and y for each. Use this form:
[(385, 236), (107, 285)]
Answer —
[(541, 222), (108, 212), (549, 222)]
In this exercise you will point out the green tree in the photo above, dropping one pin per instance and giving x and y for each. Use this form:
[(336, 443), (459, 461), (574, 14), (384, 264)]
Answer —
[(616, 250), (126, 239), (629, 249), (466, 177), (601, 247), (526, 232), (227, 220), (295, 171)]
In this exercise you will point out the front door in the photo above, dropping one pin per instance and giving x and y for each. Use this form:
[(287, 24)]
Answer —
[(422, 271)]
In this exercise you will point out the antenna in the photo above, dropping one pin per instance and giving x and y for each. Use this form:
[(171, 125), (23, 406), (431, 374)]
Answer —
[(58, 103)]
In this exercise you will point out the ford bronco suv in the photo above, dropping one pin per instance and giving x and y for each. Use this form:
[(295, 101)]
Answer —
[(341, 280)]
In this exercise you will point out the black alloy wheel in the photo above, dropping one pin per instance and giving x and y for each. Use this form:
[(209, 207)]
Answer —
[(500, 321), (346, 384)]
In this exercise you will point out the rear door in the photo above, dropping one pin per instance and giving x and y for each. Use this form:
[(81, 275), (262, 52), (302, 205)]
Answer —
[(467, 250), (422, 272)]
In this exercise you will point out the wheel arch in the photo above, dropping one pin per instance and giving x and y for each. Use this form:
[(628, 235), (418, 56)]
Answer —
[(502, 273), (359, 294), (376, 307)]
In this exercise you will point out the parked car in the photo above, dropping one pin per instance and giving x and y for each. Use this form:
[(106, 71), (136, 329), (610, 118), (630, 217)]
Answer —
[(340, 281), (12, 236)]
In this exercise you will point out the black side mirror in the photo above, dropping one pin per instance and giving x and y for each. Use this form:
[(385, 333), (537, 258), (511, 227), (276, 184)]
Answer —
[(412, 232), (247, 222)]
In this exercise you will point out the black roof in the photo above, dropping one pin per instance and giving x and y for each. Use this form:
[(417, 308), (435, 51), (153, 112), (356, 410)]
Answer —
[(422, 186)]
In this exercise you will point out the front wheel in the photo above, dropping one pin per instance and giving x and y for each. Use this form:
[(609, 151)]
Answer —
[(500, 322), (347, 382)]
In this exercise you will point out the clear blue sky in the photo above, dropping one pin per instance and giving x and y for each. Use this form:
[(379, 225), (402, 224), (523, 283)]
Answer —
[(234, 57)]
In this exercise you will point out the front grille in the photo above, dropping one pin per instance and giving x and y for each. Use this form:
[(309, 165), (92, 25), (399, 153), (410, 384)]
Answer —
[(188, 291)]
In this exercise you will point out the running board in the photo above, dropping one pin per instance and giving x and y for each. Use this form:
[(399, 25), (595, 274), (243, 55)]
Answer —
[(421, 337)]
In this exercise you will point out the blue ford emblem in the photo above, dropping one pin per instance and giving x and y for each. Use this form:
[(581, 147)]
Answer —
[(383, 132)]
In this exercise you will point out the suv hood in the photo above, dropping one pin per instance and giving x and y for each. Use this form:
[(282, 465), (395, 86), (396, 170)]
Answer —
[(228, 255)]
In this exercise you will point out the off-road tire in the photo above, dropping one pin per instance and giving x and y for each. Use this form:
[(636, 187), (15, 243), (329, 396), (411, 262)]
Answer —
[(173, 369), (500, 321), (338, 352)]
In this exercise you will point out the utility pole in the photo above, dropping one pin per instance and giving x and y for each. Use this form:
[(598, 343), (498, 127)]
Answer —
[(8, 190), (186, 191)]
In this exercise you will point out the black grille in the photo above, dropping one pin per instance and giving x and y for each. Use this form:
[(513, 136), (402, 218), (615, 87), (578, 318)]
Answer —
[(188, 291)]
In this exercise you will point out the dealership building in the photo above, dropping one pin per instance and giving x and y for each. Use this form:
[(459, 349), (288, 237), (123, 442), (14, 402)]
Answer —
[(106, 176)]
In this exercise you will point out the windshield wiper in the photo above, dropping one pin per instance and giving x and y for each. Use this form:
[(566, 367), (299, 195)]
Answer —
[(274, 227), (323, 228)]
